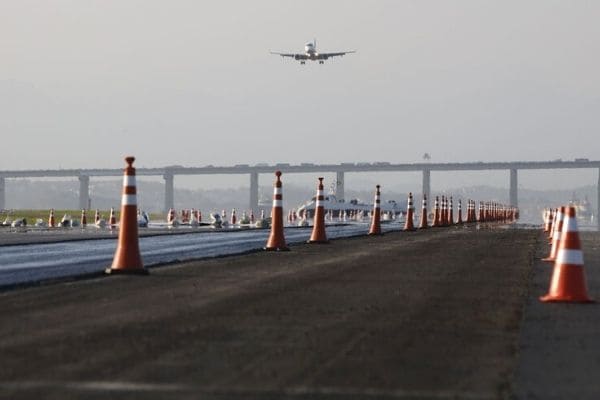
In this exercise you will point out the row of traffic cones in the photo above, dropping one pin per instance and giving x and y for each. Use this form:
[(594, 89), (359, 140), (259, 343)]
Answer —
[(128, 258), (443, 216), (568, 283), (276, 241), (98, 221), (193, 217), (443, 213)]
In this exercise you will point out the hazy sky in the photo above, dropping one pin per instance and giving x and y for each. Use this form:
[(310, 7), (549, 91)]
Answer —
[(84, 82)]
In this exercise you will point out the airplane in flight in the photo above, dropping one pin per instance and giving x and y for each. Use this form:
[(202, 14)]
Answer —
[(311, 53)]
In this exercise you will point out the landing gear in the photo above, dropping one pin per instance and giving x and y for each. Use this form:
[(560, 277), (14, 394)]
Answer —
[(321, 62), (302, 62)]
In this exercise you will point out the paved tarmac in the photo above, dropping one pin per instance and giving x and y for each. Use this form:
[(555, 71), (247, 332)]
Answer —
[(560, 343), (434, 314)]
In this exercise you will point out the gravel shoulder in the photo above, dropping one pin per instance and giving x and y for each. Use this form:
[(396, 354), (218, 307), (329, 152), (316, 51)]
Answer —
[(433, 314)]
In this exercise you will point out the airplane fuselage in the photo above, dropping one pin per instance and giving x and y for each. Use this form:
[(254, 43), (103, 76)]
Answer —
[(310, 50)]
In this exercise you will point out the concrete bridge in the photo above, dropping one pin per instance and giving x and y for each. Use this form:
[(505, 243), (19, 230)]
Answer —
[(169, 173)]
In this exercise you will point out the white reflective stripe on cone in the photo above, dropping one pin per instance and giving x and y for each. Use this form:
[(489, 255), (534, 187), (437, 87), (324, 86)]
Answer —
[(277, 190), (128, 180), (277, 203), (129, 200), (570, 225), (571, 257)]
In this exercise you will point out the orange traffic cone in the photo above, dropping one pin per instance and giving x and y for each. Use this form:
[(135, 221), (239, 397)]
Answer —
[(112, 221), (459, 219), (423, 223), (553, 225), (436, 213), (233, 217), (410, 211), (83, 219), (470, 211), (375, 228), (450, 219), (96, 216), (318, 233), (276, 240), (51, 220), (128, 259), (547, 220), (568, 277), (444, 212), (556, 235)]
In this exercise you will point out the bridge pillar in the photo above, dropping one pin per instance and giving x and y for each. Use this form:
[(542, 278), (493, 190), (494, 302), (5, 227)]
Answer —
[(254, 191), (2, 193), (84, 192), (339, 182), (426, 190), (169, 191), (514, 195)]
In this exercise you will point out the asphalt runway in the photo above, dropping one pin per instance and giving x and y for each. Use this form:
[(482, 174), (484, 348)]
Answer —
[(438, 314), (41, 255)]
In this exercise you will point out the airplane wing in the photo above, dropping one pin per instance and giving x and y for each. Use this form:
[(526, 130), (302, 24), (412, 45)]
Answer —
[(325, 56), (292, 55)]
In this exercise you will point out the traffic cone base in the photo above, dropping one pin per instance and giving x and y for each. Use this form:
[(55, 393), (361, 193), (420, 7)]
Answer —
[(276, 248), (568, 285), (133, 270)]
